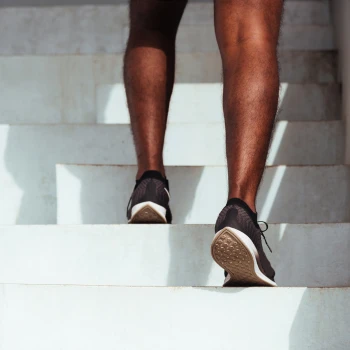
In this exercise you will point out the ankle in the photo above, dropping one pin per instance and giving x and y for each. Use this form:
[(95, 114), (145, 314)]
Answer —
[(247, 198), (142, 170)]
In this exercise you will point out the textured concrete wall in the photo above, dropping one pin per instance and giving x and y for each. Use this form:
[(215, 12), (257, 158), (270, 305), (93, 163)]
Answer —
[(57, 2), (66, 2), (341, 11)]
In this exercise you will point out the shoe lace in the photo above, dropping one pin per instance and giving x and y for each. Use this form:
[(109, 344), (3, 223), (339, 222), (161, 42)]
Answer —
[(262, 233)]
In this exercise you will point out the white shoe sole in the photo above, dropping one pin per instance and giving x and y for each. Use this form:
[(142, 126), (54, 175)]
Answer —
[(235, 252), (148, 213)]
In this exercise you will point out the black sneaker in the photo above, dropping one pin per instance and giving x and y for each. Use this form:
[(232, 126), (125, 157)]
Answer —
[(149, 202), (237, 247)]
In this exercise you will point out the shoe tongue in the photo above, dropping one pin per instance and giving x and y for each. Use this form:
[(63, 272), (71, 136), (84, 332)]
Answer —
[(242, 204)]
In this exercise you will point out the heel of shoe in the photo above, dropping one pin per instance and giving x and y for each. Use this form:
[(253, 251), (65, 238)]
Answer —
[(235, 252), (148, 212)]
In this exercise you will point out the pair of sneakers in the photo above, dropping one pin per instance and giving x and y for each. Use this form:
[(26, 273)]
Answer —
[(237, 245)]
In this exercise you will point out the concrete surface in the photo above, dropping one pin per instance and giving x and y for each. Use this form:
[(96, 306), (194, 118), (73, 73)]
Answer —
[(202, 103), (28, 155), (77, 89), (164, 255), (81, 317), (99, 194), (103, 29)]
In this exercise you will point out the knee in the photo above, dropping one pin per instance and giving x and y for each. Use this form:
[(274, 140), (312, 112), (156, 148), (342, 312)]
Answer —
[(256, 33), (253, 24), (252, 41)]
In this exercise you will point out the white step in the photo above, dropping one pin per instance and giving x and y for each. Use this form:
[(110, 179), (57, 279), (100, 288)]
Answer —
[(28, 155), (88, 194), (202, 103), (75, 89), (101, 29), (90, 318), (293, 143), (164, 255)]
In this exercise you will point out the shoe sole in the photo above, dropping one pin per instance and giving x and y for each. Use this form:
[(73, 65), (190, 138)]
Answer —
[(148, 213), (236, 253)]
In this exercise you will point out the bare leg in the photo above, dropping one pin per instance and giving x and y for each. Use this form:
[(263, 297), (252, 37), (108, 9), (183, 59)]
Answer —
[(149, 75), (247, 33)]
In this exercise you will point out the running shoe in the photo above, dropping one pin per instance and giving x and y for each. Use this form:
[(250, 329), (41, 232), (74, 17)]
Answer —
[(149, 202), (237, 247)]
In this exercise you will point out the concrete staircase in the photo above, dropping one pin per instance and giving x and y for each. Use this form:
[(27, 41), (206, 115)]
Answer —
[(74, 276)]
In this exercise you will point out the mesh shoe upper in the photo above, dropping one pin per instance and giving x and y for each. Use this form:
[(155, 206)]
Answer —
[(238, 215), (152, 187)]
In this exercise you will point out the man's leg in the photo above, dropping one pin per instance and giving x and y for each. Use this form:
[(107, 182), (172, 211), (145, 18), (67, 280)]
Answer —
[(247, 33), (149, 71), (149, 75)]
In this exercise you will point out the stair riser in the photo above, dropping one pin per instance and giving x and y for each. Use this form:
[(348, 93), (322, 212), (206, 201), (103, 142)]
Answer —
[(29, 155), (60, 317), (71, 89), (101, 29), (158, 255), (99, 194), (293, 143), (202, 103)]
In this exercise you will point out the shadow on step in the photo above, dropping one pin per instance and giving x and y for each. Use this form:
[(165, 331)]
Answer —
[(321, 322), (190, 261), (303, 256), (110, 187)]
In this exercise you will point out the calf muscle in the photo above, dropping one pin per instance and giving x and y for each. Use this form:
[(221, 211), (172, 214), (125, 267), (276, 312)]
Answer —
[(247, 33)]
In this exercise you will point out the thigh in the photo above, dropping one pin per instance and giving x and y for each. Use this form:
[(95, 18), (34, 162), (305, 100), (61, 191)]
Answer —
[(241, 20), (158, 15)]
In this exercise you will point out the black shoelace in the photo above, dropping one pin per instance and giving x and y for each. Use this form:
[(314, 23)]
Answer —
[(262, 233)]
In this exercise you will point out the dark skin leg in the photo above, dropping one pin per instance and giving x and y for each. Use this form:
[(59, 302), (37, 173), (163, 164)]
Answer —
[(149, 69), (247, 33)]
